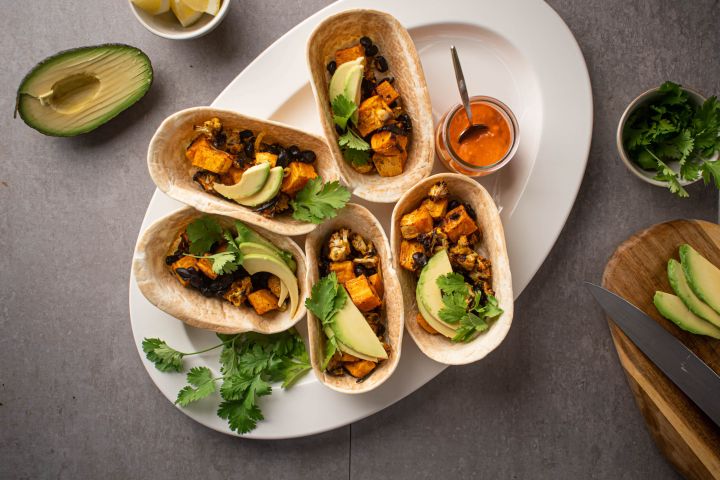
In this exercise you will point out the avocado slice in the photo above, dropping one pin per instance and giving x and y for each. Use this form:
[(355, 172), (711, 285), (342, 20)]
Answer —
[(250, 247), (672, 308), (255, 262), (344, 348), (268, 191), (439, 326), (249, 236), (76, 91), (346, 80), (351, 329), (429, 295), (703, 276), (680, 285), (250, 183)]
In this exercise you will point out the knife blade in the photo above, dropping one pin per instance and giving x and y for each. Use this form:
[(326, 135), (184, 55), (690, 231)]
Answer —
[(682, 366)]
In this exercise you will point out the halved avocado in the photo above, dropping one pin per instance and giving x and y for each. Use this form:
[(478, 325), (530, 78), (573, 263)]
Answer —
[(76, 91)]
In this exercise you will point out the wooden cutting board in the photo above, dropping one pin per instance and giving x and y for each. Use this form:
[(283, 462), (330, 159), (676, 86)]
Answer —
[(688, 438)]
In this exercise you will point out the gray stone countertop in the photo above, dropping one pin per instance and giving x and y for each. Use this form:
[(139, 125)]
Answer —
[(75, 401)]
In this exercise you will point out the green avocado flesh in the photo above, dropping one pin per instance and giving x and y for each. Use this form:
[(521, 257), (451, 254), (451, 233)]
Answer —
[(268, 191), (351, 329), (78, 90), (259, 248), (682, 289), (702, 276), (428, 294), (255, 262), (250, 183), (251, 237), (672, 308), (344, 348)]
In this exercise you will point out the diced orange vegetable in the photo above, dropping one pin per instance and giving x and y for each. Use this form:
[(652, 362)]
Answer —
[(377, 283), (372, 114), (349, 54), (274, 285), (361, 368), (388, 143), (436, 208), (203, 155), (346, 357), (425, 325), (362, 294), (205, 266), (416, 222), (297, 175), (387, 92), (232, 176), (407, 250), (343, 270), (184, 262), (389, 165), (457, 223), (265, 157), (263, 301)]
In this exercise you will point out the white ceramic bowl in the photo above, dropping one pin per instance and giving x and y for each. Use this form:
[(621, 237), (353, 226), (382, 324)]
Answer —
[(645, 175), (167, 26)]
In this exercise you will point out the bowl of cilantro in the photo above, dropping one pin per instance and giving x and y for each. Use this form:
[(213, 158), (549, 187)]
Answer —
[(669, 137)]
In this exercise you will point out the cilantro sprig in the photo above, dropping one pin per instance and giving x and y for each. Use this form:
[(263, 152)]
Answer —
[(318, 201), (354, 149), (672, 129), (463, 307), (249, 364), (327, 297), (343, 109)]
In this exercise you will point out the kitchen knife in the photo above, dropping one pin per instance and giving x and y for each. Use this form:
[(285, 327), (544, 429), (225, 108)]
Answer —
[(683, 367)]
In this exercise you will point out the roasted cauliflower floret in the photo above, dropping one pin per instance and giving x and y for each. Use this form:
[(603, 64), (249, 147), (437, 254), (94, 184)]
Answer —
[(438, 191), (339, 245), (361, 246), (210, 128), (238, 291)]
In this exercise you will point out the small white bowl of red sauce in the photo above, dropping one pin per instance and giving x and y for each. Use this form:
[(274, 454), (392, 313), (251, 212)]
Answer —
[(482, 154)]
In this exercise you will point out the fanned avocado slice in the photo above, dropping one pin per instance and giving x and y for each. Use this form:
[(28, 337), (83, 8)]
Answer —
[(76, 91)]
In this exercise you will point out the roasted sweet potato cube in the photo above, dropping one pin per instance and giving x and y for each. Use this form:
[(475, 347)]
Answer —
[(263, 301), (205, 266), (274, 285), (349, 54), (407, 250), (232, 176), (436, 208), (416, 222), (346, 357), (360, 369), (458, 223), (389, 165), (203, 155), (425, 325), (387, 92), (297, 175), (184, 262), (388, 143), (265, 157), (238, 291), (377, 283), (372, 114), (362, 294), (343, 270)]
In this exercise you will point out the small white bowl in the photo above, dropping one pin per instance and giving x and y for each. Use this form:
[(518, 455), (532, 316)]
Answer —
[(167, 26), (645, 175)]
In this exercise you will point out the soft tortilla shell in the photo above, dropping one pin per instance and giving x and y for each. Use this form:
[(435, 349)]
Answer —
[(172, 172), (439, 347), (343, 30), (164, 291), (359, 220)]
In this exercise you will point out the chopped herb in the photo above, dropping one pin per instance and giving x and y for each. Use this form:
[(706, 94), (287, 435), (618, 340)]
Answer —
[(317, 201)]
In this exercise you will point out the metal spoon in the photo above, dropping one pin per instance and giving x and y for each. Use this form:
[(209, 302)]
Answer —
[(472, 128)]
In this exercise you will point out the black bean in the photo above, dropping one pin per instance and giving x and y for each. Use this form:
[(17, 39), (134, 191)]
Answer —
[(245, 134), (220, 140), (260, 280), (249, 150), (339, 130), (196, 281), (307, 156), (367, 87), (274, 149), (170, 259), (390, 80), (371, 51), (183, 273), (470, 211), (366, 42), (323, 268), (381, 64), (283, 158), (294, 151), (331, 67), (419, 260), (267, 205), (453, 204), (358, 270)]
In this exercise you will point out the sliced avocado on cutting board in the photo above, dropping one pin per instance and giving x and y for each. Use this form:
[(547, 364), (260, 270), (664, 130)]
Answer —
[(428, 294), (268, 191), (702, 276), (252, 180), (255, 263), (672, 308), (76, 91), (351, 329), (682, 289)]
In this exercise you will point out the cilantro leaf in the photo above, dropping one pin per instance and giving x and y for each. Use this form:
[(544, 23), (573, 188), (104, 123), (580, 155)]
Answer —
[(225, 262), (242, 415), (343, 108), (327, 297), (331, 348), (668, 175), (470, 326), (452, 283), (454, 307), (352, 140), (711, 171), (162, 355), (203, 233), (358, 158), (318, 201), (201, 385)]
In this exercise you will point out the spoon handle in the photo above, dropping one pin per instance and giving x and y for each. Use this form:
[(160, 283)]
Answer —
[(461, 83)]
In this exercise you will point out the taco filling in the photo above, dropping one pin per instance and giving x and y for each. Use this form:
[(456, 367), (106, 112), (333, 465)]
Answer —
[(441, 241), (252, 170), (234, 264), (372, 125), (348, 302)]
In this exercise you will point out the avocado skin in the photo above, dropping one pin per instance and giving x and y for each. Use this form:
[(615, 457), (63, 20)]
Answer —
[(90, 127)]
